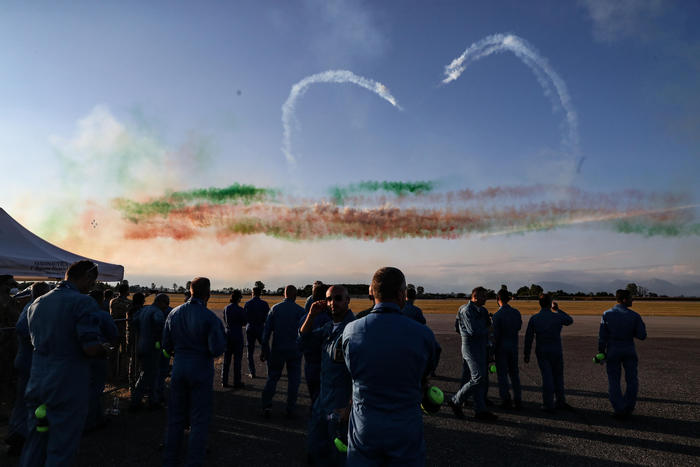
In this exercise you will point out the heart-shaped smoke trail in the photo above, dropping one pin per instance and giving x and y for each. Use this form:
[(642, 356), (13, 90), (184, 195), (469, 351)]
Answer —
[(330, 76)]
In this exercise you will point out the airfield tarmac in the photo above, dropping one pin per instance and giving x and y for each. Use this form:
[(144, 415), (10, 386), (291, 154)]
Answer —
[(664, 430)]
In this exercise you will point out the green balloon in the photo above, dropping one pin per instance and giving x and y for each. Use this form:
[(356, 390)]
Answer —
[(157, 345), (492, 368), (340, 446), (166, 354), (436, 395), (40, 411)]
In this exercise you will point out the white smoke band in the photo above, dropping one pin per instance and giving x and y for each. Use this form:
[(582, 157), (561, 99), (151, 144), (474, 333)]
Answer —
[(330, 76), (550, 81)]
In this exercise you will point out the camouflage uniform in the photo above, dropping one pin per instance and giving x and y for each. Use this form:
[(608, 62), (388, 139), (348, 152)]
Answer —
[(119, 309)]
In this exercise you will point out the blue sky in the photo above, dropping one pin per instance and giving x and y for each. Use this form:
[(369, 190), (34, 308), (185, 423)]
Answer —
[(170, 73)]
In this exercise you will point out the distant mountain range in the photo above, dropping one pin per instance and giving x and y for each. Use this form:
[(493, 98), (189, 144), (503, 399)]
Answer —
[(657, 286)]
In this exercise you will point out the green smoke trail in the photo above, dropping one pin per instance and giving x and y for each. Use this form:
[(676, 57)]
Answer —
[(657, 229), (236, 193), (339, 193)]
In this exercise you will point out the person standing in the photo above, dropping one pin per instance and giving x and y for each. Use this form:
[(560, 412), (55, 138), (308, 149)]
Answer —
[(23, 365), (473, 322), (411, 310), (10, 309), (312, 355), (132, 337), (195, 336), (546, 327), (389, 359), (330, 409), (282, 324), (234, 320), (618, 328), (119, 309), (65, 332), (255, 312), (149, 322), (507, 322)]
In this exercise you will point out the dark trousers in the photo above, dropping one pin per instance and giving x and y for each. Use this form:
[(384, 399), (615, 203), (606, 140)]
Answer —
[(616, 360), (251, 336), (234, 350), (507, 366), (552, 369)]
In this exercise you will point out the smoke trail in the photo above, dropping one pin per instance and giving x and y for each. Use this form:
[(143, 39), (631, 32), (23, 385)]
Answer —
[(330, 76), (339, 193), (550, 81)]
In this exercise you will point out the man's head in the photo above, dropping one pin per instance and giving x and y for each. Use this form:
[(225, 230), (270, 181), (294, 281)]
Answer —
[(389, 286), (109, 293), (318, 291), (39, 289), (236, 296), (337, 299), (257, 291), (123, 289), (410, 294), (82, 274), (138, 300), (503, 297), (7, 283), (545, 301), (200, 288), (162, 301), (479, 295), (290, 292), (624, 297)]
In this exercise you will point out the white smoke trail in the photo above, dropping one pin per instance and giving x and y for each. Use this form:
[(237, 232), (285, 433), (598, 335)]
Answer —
[(550, 81), (330, 76)]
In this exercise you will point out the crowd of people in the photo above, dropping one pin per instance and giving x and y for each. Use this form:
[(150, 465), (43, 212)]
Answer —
[(368, 374)]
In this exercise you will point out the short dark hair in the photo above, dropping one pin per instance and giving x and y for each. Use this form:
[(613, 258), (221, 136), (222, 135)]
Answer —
[(200, 287), (123, 288), (109, 293), (236, 296), (622, 294), (257, 291), (290, 290), (388, 284), (161, 298), (39, 289), (318, 291), (479, 289), (410, 294), (546, 301), (80, 269), (139, 299), (503, 295)]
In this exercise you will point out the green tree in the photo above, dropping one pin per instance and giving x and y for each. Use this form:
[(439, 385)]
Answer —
[(523, 291), (632, 287), (536, 290)]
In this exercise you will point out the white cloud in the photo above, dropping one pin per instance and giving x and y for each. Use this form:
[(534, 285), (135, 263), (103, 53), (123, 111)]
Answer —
[(618, 19)]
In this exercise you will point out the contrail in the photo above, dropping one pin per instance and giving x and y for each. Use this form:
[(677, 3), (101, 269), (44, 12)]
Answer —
[(550, 81), (330, 76)]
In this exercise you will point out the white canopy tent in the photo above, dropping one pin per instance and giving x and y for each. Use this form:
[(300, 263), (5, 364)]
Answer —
[(27, 256)]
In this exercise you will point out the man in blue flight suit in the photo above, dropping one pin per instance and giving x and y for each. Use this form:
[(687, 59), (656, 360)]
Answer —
[(546, 326), (506, 325), (330, 409), (282, 325), (410, 309), (618, 328), (98, 366), (255, 313), (195, 336), (389, 358), (473, 321), (23, 365), (65, 333), (312, 355), (149, 322), (234, 320)]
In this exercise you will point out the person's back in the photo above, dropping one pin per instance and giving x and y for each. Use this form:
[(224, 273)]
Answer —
[(546, 327), (150, 322), (256, 310), (283, 325), (507, 323), (621, 325), (193, 331), (413, 312)]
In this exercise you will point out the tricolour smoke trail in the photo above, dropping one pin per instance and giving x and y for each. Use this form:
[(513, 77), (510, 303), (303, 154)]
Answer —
[(340, 193), (550, 81), (330, 76)]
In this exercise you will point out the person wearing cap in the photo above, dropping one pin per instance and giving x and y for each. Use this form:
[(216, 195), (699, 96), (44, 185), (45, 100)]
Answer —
[(282, 326), (65, 333), (330, 409), (195, 335), (546, 327), (17, 432), (411, 310), (234, 320), (312, 355), (473, 323), (149, 322), (618, 329), (507, 322), (389, 359), (255, 312)]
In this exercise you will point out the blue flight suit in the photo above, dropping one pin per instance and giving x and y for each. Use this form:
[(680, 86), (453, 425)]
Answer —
[(312, 355), (473, 322), (618, 328), (23, 365), (234, 320), (282, 321), (195, 336), (413, 312), (98, 370), (546, 326), (61, 324), (388, 357), (335, 390), (163, 364), (506, 324), (149, 322), (255, 311)]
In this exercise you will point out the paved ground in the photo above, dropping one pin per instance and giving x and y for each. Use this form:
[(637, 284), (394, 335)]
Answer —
[(664, 430)]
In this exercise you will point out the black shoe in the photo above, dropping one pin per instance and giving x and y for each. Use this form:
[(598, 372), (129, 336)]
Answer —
[(225, 385), (506, 404), (565, 406), (486, 416), (622, 415), (549, 410), (456, 409), (238, 386)]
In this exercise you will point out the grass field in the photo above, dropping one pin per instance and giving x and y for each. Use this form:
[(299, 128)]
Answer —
[(526, 307)]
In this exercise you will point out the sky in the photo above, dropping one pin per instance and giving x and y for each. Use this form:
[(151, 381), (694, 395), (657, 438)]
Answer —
[(581, 118)]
